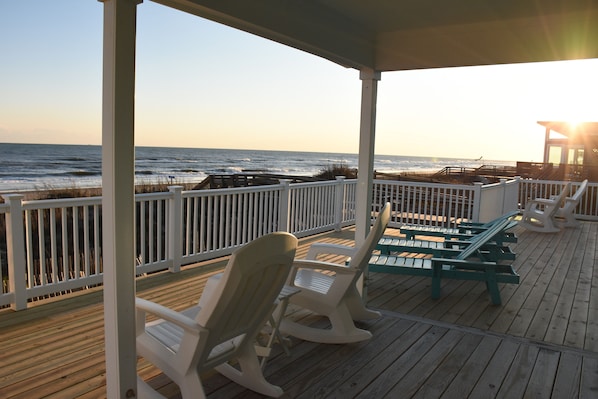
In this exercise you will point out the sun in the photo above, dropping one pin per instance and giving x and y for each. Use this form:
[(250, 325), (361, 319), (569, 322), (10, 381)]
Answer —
[(574, 123)]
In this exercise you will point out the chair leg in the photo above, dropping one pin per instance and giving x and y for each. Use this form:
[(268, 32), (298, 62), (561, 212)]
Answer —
[(357, 308), (492, 286), (250, 374), (343, 326), (191, 386), (145, 391), (436, 280)]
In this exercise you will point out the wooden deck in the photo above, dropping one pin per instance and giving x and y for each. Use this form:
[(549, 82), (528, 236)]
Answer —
[(541, 343)]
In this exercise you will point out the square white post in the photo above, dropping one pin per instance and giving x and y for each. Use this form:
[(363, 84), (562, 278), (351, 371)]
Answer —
[(367, 136), (118, 196)]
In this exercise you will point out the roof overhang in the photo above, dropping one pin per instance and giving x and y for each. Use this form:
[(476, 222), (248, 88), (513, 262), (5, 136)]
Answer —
[(568, 129), (385, 35)]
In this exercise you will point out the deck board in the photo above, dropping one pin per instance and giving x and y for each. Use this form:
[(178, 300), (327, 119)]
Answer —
[(542, 342)]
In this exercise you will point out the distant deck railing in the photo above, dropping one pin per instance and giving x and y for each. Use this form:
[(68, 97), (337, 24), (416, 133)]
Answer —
[(51, 247)]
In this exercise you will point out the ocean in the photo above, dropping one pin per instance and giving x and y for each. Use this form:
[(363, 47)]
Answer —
[(45, 166)]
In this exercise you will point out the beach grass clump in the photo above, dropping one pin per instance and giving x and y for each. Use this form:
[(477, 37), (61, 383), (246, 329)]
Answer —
[(74, 191), (331, 171)]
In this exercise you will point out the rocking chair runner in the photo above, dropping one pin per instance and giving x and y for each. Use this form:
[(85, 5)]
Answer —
[(329, 289), (183, 344)]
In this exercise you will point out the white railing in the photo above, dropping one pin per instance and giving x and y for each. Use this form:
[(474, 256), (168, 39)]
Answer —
[(215, 222), (56, 244), (51, 247)]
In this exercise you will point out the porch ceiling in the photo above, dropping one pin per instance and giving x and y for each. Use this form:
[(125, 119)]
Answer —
[(386, 35)]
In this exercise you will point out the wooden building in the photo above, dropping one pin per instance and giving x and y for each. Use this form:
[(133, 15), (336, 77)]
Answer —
[(572, 148)]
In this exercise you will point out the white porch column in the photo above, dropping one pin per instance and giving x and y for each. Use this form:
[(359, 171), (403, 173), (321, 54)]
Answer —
[(118, 196), (367, 133)]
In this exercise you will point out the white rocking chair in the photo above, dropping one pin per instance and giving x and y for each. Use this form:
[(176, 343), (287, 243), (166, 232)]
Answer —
[(334, 295), (539, 214), (184, 344)]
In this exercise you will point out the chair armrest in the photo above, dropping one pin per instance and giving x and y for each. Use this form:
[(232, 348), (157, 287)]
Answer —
[(325, 248), (144, 306), (315, 265), (570, 200), (543, 201)]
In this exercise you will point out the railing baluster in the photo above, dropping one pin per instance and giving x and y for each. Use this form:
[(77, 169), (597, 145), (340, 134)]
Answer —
[(86, 248), (161, 229), (54, 258), (96, 239), (190, 222), (29, 250), (42, 246), (64, 238), (142, 231), (75, 224)]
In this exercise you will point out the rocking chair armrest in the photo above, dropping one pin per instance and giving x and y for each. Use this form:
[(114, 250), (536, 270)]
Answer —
[(543, 201), (325, 248), (144, 306), (570, 200), (316, 264)]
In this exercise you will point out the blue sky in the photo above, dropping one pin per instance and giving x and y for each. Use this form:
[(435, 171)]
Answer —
[(200, 84)]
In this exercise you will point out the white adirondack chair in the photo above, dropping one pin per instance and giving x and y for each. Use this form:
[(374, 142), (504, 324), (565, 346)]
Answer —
[(183, 344), (334, 295), (565, 216), (539, 213)]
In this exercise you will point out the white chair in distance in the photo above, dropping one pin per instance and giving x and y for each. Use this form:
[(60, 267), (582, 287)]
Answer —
[(183, 344), (539, 214), (565, 216), (334, 295)]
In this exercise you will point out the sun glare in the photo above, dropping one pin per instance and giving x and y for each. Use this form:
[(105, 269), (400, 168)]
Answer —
[(573, 124)]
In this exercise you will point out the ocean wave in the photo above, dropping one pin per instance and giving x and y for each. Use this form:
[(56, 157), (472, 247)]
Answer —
[(73, 159), (84, 173)]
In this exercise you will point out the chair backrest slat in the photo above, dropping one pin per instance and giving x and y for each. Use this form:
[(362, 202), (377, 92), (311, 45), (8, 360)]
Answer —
[(508, 215), (580, 190), (482, 238), (248, 288), (361, 258), (559, 200)]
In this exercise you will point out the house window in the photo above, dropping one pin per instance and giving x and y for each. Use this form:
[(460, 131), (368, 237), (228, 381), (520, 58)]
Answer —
[(554, 154)]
